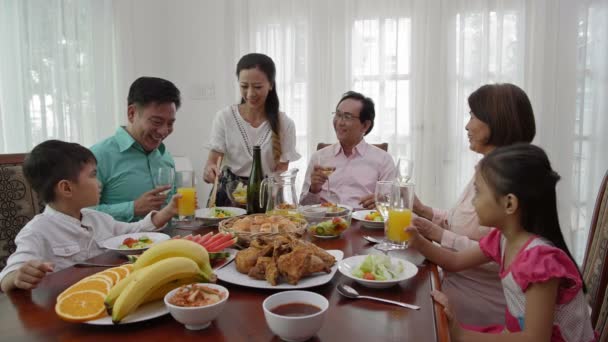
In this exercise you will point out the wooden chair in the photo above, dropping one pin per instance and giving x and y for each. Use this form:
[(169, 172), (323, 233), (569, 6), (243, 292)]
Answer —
[(18, 203), (595, 266), (383, 146)]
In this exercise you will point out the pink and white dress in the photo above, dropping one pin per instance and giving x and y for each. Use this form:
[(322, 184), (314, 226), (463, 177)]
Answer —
[(537, 262)]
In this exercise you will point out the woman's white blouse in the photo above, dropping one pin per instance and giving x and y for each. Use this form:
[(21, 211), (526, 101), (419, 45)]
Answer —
[(235, 138)]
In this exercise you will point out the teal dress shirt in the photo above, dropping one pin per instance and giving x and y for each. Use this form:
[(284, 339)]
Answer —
[(126, 171)]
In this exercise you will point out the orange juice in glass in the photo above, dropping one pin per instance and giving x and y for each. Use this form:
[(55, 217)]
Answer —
[(398, 220), (187, 203), (399, 213)]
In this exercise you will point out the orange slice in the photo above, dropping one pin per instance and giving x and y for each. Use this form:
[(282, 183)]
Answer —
[(105, 277), (113, 275), (123, 272), (128, 266), (81, 306), (97, 284)]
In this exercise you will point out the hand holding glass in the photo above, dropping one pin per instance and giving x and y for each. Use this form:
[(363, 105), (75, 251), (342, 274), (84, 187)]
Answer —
[(326, 164)]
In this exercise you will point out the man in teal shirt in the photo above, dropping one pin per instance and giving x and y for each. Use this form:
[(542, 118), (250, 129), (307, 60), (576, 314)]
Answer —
[(128, 160)]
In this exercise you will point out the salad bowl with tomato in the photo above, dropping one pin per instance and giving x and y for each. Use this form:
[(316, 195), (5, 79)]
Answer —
[(376, 270), (329, 225)]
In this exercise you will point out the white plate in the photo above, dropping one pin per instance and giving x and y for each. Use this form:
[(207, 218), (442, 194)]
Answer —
[(360, 216), (347, 266), (205, 213), (113, 243), (229, 274), (143, 313)]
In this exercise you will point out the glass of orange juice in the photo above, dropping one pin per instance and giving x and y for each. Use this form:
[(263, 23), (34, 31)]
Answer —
[(187, 203), (400, 213)]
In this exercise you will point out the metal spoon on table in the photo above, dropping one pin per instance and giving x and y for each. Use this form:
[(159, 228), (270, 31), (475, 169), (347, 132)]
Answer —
[(349, 292), (372, 239)]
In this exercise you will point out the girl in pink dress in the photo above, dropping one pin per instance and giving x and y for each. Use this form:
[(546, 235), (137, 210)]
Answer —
[(544, 291)]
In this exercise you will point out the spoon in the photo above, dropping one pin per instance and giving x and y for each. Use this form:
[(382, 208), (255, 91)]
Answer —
[(349, 292), (372, 239)]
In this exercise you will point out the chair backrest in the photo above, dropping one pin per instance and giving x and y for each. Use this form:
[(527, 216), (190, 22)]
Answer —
[(383, 146), (595, 266), (18, 202)]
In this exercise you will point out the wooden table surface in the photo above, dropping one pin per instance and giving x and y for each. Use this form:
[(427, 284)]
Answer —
[(30, 316)]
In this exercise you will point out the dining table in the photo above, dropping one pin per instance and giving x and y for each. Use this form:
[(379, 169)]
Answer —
[(30, 315)]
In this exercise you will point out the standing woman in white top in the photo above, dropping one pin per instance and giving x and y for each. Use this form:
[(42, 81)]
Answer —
[(255, 121)]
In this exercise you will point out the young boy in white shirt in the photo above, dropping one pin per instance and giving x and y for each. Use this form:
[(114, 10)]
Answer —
[(64, 175)]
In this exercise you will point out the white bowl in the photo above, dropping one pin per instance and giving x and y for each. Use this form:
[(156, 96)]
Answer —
[(113, 243), (299, 328), (347, 266), (197, 317)]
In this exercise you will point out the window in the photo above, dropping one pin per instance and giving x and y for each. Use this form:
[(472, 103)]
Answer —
[(488, 49), (591, 57), (381, 70)]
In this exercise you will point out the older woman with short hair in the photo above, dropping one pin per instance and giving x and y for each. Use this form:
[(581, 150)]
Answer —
[(501, 114)]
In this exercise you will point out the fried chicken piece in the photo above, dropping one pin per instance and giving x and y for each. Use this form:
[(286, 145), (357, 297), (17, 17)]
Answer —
[(272, 272), (293, 265), (327, 258), (247, 258), (259, 270)]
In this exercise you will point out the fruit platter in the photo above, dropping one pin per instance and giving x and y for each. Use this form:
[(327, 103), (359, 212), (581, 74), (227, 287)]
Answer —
[(134, 292)]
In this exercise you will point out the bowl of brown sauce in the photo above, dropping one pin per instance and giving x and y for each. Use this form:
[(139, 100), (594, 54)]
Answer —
[(295, 315)]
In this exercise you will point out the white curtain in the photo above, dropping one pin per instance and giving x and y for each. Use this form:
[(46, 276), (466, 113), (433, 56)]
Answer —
[(57, 67), (419, 60)]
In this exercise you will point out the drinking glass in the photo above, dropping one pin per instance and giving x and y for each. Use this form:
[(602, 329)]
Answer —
[(187, 203), (327, 165), (405, 168), (399, 217), (382, 196), (164, 176)]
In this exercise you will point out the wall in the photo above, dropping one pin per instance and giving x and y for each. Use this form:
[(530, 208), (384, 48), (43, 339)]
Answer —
[(184, 42)]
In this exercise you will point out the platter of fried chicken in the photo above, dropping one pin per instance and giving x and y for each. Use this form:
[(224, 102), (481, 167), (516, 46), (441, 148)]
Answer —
[(281, 262)]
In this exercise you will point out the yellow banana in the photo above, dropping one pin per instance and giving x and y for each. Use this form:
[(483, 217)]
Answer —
[(177, 248), (149, 279), (116, 290), (166, 288)]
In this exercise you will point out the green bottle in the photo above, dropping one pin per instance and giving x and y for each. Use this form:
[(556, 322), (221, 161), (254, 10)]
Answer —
[(255, 184)]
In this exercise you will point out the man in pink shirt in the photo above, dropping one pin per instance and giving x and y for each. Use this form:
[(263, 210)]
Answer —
[(357, 165)]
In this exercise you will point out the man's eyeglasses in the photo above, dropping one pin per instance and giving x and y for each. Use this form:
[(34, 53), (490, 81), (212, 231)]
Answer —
[(344, 116)]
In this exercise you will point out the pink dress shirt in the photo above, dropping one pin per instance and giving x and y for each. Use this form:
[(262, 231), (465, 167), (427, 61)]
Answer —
[(475, 294), (355, 176)]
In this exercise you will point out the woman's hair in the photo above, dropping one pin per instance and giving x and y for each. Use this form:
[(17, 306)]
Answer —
[(266, 65), (524, 170), (507, 111)]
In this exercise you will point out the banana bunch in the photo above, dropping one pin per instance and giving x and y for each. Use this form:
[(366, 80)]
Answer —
[(160, 269)]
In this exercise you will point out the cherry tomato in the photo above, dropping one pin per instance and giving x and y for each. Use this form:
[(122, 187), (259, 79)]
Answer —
[(368, 276), (129, 242)]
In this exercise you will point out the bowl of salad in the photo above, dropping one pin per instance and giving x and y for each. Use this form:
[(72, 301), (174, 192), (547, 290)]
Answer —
[(134, 243), (327, 225), (377, 271)]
